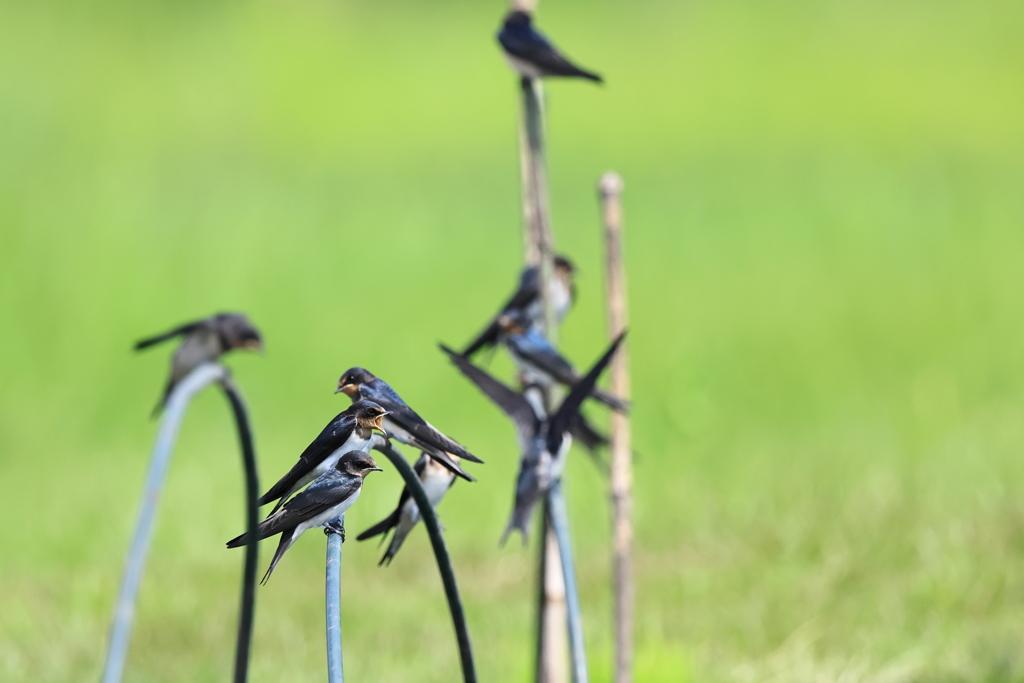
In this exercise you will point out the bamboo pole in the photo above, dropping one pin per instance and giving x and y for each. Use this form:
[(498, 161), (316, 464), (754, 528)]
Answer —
[(610, 190), (135, 564), (335, 672), (539, 252), (247, 610), (558, 523), (444, 562)]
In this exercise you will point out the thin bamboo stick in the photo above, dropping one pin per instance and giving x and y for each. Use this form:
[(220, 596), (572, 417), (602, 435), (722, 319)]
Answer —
[(610, 189)]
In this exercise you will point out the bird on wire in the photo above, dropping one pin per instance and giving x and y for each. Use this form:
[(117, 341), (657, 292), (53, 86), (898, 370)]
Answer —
[(543, 442), (351, 430), (326, 499), (402, 422), (539, 362), (436, 480), (203, 341), (527, 302), (531, 54)]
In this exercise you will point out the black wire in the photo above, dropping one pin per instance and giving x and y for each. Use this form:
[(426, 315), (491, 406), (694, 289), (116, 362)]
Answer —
[(444, 562), (252, 486)]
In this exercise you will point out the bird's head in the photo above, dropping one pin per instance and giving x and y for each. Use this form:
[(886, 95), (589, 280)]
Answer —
[(369, 414), (357, 463), (237, 332), (517, 18), (352, 379), (564, 267)]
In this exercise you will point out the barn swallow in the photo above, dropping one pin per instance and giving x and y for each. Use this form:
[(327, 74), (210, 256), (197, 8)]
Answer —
[(326, 499), (539, 362), (402, 422), (531, 53), (349, 431), (543, 441), (205, 341), (436, 480), (527, 303)]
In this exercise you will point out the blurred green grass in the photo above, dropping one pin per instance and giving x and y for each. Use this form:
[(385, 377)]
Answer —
[(824, 216)]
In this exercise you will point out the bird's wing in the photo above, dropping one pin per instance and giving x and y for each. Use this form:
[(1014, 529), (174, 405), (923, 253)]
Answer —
[(562, 420), (330, 489), (409, 419), (534, 47), (187, 328), (539, 352), (523, 297), (509, 400), (333, 436)]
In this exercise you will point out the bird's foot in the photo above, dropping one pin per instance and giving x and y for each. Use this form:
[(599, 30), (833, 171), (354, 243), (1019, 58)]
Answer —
[(335, 528)]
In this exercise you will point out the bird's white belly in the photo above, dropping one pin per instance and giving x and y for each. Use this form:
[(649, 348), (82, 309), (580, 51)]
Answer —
[(523, 67), (354, 443), (399, 433)]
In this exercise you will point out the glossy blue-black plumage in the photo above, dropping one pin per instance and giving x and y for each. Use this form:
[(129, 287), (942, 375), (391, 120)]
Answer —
[(532, 54)]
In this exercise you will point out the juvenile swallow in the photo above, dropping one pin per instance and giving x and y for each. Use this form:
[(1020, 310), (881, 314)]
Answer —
[(402, 422), (527, 304), (205, 341), (539, 362), (531, 53), (350, 430), (543, 442), (436, 480), (327, 498)]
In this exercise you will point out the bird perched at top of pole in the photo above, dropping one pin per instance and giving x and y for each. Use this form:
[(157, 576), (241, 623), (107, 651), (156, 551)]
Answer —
[(204, 341), (530, 52), (543, 442), (350, 430), (436, 480), (527, 303), (402, 422), (326, 499)]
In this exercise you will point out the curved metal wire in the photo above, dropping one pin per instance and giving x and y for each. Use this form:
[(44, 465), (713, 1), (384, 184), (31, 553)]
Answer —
[(247, 610), (170, 423), (444, 563)]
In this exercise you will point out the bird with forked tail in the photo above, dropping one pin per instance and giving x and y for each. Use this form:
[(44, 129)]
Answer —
[(326, 499)]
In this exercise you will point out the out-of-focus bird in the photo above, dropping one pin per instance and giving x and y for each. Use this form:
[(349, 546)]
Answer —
[(326, 499), (530, 52), (350, 430), (204, 341), (436, 480), (527, 303), (543, 442), (539, 362), (402, 422)]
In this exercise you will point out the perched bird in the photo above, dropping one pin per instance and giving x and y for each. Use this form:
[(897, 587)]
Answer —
[(326, 499), (539, 362), (436, 480), (350, 430), (543, 442), (527, 303), (402, 422), (205, 341), (531, 53)]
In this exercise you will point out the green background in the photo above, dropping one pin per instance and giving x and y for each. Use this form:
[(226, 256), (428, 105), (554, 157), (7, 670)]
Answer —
[(824, 209)]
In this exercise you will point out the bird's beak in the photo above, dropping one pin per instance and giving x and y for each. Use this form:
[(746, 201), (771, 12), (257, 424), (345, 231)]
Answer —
[(254, 345), (338, 390), (379, 423), (346, 388), (376, 469)]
